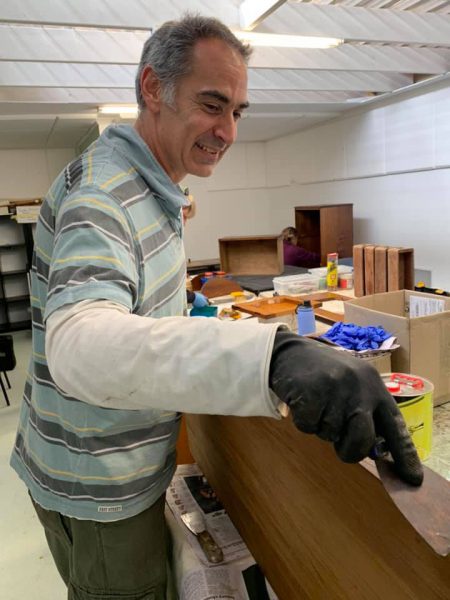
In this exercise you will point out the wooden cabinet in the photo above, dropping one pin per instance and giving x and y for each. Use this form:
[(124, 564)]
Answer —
[(325, 228)]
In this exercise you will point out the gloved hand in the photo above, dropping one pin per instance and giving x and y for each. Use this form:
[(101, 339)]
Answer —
[(341, 399), (200, 300)]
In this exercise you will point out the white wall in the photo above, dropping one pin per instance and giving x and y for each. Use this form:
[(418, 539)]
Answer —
[(233, 201), (392, 162), (29, 173)]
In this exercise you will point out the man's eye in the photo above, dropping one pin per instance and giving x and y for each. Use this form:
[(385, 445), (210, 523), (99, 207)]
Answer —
[(237, 115), (213, 108)]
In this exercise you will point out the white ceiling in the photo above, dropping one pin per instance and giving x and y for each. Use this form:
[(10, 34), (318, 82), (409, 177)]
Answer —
[(62, 59)]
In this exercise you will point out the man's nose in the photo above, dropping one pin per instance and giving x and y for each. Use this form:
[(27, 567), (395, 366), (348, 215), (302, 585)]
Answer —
[(226, 128)]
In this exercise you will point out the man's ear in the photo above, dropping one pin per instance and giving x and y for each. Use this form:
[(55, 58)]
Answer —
[(151, 89)]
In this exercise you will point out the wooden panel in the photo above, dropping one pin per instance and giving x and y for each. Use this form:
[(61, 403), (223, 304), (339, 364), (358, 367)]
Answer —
[(269, 308), (320, 529), (400, 269), (407, 257), (184, 456), (325, 228), (358, 269), (336, 230), (395, 276), (307, 223), (328, 315), (369, 269), (252, 255), (380, 269), (219, 286)]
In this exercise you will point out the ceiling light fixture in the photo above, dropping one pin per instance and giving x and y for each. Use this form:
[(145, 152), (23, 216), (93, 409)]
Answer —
[(286, 41)]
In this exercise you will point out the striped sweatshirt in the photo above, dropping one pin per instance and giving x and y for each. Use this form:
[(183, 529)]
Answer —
[(109, 228), (110, 231)]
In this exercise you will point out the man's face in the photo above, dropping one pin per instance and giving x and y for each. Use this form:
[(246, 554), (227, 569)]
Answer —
[(191, 136)]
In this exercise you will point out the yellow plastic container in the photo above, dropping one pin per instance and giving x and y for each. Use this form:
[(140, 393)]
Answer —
[(332, 272), (414, 396)]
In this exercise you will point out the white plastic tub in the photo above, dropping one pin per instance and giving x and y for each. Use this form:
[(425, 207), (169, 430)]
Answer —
[(293, 285), (322, 271)]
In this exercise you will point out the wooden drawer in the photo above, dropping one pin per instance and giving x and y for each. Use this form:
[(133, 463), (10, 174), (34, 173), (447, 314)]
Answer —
[(252, 255)]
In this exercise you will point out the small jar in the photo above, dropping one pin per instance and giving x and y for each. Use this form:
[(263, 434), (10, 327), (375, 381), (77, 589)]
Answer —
[(346, 281)]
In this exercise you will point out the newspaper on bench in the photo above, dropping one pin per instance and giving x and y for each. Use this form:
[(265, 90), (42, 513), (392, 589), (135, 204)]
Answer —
[(238, 577)]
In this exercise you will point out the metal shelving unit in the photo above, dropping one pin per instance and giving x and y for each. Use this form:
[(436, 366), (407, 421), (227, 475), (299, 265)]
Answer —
[(17, 300)]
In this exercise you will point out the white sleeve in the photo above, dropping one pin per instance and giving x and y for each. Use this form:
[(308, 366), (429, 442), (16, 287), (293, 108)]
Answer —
[(101, 354)]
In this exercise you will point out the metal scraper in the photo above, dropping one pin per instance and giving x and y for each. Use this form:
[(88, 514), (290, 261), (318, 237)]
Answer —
[(427, 508), (195, 522)]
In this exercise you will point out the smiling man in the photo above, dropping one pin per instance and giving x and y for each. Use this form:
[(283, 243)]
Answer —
[(114, 358), (190, 130)]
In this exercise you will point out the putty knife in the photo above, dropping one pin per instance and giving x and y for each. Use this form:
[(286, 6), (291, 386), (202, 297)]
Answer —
[(195, 522)]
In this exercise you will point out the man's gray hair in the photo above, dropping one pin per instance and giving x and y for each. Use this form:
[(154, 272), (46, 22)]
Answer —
[(169, 51)]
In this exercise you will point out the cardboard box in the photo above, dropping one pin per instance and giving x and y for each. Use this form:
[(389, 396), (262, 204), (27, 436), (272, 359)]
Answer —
[(381, 362), (424, 341), (252, 255)]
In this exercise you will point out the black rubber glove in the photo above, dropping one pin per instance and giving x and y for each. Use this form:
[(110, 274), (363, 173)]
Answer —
[(341, 399)]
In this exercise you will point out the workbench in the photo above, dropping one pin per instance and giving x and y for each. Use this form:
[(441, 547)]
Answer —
[(319, 528)]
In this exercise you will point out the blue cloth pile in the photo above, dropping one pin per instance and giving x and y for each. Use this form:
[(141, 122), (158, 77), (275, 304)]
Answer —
[(354, 337)]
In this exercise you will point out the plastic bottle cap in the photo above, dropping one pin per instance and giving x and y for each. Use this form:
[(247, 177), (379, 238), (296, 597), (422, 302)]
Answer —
[(393, 387), (307, 304)]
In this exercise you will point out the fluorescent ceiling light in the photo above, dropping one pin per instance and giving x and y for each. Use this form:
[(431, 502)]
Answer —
[(286, 41), (111, 109)]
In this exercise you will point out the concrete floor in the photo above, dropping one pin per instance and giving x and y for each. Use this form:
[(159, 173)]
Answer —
[(27, 571)]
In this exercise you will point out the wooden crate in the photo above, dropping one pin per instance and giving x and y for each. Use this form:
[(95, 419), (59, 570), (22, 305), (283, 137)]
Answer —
[(380, 269), (400, 263), (252, 255)]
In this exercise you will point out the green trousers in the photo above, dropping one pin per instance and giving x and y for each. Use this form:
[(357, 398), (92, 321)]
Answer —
[(124, 560)]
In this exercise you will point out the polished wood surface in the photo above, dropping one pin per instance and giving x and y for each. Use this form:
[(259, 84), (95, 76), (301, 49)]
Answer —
[(320, 529), (358, 269), (219, 286), (269, 308), (369, 269), (380, 269)]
